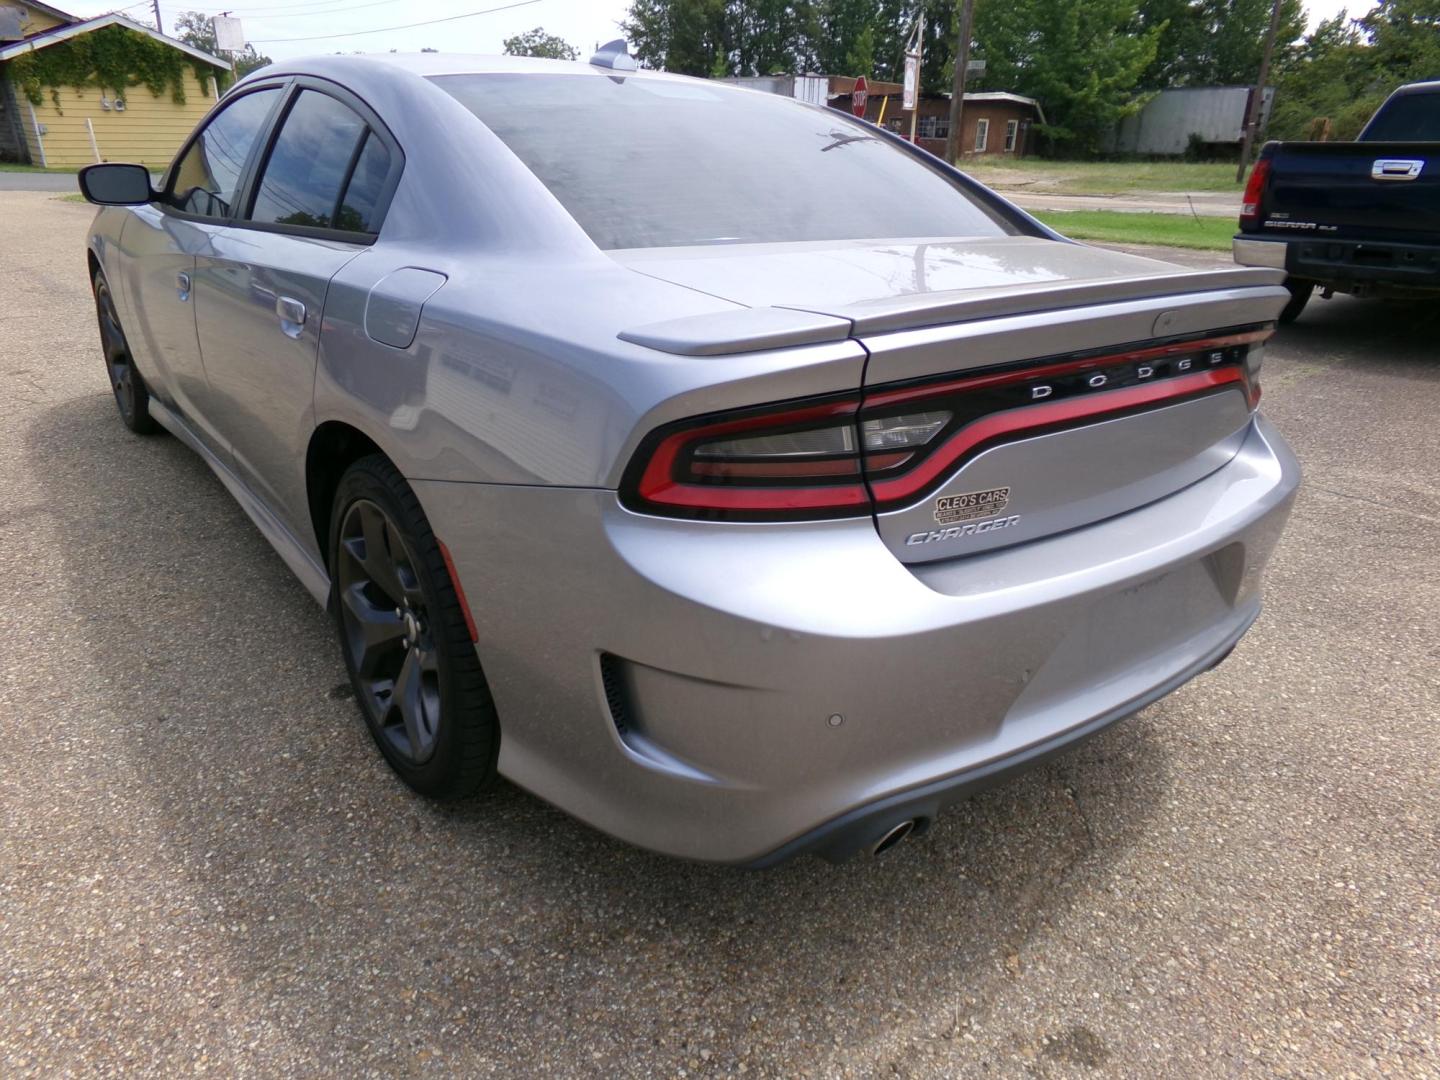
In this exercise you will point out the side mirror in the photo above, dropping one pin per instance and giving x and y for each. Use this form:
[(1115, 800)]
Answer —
[(116, 185)]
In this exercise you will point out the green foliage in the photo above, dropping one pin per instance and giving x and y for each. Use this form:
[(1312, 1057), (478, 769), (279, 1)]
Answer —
[(113, 58), (1088, 62), (1082, 59), (538, 43), (688, 36), (1214, 42), (1344, 70), (1172, 230)]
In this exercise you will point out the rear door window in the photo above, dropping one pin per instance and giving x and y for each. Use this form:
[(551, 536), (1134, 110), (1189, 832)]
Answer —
[(208, 175), (326, 170)]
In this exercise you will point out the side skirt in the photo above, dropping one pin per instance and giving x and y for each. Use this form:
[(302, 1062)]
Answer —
[(310, 572)]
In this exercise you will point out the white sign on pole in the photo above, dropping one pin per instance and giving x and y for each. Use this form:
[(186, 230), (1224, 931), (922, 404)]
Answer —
[(912, 80), (229, 37)]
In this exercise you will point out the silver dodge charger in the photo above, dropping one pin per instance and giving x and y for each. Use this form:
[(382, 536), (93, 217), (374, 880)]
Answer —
[(728, 472)]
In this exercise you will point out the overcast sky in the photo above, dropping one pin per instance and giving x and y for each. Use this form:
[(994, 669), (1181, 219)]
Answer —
[(583, 23)]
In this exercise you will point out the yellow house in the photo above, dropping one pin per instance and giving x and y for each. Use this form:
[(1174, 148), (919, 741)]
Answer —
[(145, 95)]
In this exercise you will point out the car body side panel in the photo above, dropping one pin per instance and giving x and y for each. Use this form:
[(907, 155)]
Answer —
[(159, 248), (106, 244), (260, 366), (499, 387)]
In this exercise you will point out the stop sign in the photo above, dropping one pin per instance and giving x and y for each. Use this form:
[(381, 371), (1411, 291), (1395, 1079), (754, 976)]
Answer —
[(859, 96)]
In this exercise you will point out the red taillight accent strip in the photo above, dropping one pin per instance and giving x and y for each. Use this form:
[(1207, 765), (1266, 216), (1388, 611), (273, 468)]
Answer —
[(1001, 378), (750, 487), (697, 496), (459, 592), (658, 484), (1029, 417)]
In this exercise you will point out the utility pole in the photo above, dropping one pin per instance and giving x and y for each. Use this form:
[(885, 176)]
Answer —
[(158, 24), (1252, 118), (957, 95)]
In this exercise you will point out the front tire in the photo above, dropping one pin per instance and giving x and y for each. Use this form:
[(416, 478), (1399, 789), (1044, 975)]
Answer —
[(132, 397), (1299, 296), (405, 638)]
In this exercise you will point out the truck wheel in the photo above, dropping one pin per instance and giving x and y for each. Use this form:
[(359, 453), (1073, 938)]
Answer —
[(1299, 296)]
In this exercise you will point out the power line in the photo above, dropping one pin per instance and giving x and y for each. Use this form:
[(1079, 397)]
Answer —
[(324, 10), (388, 29), (266, 11)]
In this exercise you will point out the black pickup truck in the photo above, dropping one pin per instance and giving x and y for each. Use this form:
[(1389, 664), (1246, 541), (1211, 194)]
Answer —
[(1357, 217)]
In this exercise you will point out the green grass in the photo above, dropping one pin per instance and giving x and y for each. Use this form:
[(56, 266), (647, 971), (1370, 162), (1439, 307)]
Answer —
[(10, 166), (1171, 230), (1103, 177), (77, 197)]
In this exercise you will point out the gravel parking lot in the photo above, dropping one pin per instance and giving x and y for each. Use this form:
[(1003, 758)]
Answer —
[(205, 865)]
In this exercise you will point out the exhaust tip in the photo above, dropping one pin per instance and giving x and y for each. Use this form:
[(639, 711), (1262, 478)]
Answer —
[(893, 837)]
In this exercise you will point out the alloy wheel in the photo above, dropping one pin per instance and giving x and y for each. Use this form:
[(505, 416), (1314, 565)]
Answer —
[(117, 353), (387, 631)]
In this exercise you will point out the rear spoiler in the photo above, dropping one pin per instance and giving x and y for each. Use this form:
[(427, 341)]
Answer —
[(755, 329)]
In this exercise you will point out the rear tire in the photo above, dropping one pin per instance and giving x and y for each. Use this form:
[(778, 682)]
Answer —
[(405, 639), (132, 397), (1299, 296)]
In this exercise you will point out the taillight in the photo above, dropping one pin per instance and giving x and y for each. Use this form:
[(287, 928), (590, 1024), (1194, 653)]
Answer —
[(842, 455), (1254, 192)]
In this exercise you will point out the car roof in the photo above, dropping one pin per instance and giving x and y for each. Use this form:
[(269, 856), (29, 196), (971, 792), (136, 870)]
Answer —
[(426, 65)]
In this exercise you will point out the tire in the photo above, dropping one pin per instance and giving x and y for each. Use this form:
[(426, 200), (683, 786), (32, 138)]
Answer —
[(1299, 296), (405, 638), (132, 397)]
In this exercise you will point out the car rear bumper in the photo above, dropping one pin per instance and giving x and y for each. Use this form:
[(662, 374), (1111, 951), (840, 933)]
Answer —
[(1346, 265), (741, 693)]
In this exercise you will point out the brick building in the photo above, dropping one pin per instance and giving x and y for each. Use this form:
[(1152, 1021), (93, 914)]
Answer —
[(996, 122)]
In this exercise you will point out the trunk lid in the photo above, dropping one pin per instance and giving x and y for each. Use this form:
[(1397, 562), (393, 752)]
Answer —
[(1063, 384)]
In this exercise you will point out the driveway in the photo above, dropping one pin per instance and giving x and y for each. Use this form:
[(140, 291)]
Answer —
[(37, 181), (204, 864)]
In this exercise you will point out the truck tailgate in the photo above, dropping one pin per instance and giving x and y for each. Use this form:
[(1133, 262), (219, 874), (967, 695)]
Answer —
[(1354, 191)]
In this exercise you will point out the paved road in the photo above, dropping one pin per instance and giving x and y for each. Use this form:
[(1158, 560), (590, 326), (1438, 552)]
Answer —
[(203, 862), (1204, 204), (30, 181)]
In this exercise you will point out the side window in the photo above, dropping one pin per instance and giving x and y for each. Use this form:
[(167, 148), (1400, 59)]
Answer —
[(325, 171), (362, 195), (208, 174)]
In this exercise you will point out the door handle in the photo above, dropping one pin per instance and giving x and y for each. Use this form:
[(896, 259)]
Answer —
[(182, 285), (292, 315)]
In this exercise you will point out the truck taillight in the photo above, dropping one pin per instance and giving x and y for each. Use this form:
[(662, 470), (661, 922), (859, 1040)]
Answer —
[(1254, 193), (846, 455)]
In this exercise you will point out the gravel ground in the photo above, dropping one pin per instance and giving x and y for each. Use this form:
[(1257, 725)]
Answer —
[(204, 864)]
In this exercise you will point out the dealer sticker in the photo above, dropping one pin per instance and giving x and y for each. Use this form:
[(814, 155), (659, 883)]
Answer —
[(975, 504)]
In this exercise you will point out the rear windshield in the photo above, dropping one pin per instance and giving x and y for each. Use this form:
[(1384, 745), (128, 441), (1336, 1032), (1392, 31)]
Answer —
[(643, 162), (1407, 118)]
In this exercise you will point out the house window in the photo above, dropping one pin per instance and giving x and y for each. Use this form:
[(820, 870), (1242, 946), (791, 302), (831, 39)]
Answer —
[(934, 127), (982, 134), (1012, 132)]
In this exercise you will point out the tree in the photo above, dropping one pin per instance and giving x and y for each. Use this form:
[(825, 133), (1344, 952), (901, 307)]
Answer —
[(1214, 42), (685, 36), (1343, 70), (1405, 35), (196, 30), (538, 43), (1082, 59)]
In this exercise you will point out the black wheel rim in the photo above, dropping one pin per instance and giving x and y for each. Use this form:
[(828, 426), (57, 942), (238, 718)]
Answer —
[(117, 354), (387, 632)]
